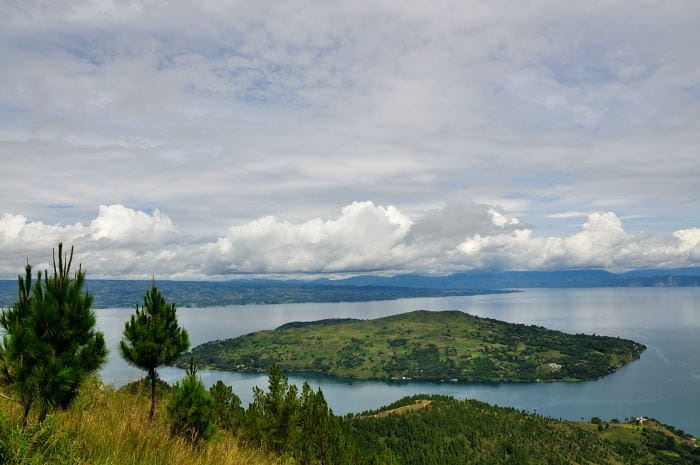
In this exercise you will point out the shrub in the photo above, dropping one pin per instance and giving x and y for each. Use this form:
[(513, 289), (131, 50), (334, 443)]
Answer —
[(190, 408)]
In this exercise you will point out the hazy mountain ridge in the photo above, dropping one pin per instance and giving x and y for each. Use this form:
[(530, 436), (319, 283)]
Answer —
[(127, 293)]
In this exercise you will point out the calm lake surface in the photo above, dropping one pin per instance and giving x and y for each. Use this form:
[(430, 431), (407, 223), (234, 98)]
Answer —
[(664, 383)]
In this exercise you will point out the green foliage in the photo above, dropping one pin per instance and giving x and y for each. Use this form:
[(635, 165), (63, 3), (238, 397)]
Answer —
[(142, 387), (423, 345), (152, 337), (33, 445), (298, 426), (272, 417), (190, 408), (17, 352), (50, 343), (227, 410), (451, 432)]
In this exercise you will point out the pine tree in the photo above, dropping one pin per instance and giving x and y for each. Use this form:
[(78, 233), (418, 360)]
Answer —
[(272, 417), (152, 338), (17, 362), (228, 412), (190, 408), (51, 344)]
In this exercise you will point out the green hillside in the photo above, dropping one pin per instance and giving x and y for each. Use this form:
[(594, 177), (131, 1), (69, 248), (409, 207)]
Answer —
[(452, 432), (448, 345)]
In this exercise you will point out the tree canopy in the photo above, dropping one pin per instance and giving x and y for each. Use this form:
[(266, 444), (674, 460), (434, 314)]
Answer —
[(152, 337), (50, 343)]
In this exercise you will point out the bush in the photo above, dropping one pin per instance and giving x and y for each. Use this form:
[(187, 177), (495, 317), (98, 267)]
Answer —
[(190, 409)]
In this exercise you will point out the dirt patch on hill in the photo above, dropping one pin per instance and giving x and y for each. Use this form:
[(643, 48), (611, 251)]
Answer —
[(406, 408)]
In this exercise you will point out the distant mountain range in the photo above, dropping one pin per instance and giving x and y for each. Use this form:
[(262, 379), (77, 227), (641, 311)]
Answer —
[(678, 277), (123, 293)]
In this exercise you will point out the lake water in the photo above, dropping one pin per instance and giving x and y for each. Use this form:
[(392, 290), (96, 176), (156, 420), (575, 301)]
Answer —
[(664, 383)]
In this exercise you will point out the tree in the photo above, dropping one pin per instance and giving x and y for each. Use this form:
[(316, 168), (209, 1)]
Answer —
[(152, 338), (190, 408), (272, 417), (17, 365), (50, 343), (228, 413)]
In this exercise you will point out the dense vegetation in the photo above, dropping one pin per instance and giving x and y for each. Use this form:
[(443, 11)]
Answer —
[(447, 431), (284, 425), (423, 345)]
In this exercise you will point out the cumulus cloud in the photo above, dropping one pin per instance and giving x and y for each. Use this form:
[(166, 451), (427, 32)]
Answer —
[(601, 243), (113, 242), (362, 238), (118, 223)]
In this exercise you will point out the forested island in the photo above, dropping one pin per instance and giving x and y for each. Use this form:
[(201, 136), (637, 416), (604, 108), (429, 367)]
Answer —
[(422, 345)]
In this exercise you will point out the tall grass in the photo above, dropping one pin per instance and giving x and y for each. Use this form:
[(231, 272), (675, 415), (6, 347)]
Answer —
[(106, 427)]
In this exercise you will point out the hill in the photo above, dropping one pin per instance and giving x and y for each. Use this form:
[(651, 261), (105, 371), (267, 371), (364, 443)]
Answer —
[(424, 345), (446, 431)]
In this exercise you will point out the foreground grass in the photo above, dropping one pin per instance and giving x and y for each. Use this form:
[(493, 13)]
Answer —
[(105, 427)]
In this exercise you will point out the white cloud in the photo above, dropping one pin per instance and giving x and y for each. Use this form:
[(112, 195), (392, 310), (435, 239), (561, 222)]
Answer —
[(118, 223), (601, 243), (363, 237), (568, 215), (293, 108)]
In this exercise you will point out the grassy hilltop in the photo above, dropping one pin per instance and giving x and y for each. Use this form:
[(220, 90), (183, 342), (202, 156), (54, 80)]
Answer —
[(423, 345)]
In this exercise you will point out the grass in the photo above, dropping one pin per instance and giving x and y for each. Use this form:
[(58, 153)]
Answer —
[(106, 427)]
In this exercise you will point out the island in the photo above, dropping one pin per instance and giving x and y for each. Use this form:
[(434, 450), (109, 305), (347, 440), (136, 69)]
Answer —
[(449, 346)]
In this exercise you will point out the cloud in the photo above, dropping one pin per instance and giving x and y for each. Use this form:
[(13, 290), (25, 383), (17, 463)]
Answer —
[(294, 108), (112, 244), (118, 223), (601, 243), (568, 215), (362, 238)]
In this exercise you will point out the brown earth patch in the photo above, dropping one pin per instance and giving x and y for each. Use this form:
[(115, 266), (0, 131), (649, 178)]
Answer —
[(406, 408)]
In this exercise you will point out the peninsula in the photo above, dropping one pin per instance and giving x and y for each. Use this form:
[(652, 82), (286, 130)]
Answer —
[(422, 345)]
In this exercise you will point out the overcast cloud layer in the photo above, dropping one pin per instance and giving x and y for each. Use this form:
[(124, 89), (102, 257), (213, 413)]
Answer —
[(204, 139)]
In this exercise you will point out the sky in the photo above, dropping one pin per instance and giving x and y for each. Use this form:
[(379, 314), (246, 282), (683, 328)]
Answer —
[(218, 139)]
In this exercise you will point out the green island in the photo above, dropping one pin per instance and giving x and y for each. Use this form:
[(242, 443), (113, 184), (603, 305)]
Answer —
[(422, 345)]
